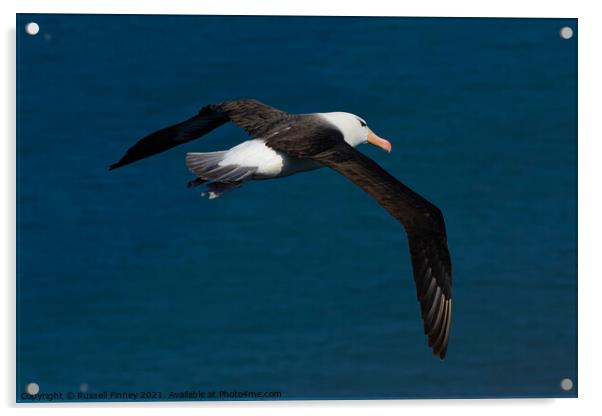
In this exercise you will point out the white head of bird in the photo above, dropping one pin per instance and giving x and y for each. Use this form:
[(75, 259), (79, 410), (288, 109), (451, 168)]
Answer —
[(355, 130)]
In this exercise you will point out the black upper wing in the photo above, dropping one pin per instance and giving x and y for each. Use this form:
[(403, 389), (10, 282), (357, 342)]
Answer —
[(256, 118), (425, 228), (304, 136)]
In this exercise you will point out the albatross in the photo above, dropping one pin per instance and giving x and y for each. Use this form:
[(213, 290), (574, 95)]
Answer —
[(282, 144)]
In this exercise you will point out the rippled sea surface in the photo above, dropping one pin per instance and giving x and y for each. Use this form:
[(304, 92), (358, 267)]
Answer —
[(130, 282)]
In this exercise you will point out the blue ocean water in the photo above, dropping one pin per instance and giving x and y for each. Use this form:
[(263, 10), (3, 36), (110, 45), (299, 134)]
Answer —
[(130, 282)]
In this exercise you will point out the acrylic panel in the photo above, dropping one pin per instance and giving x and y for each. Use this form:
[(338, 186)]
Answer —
[(133, 287)]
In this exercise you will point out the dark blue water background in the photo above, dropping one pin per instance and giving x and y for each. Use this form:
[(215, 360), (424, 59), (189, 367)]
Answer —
[(128, 281)]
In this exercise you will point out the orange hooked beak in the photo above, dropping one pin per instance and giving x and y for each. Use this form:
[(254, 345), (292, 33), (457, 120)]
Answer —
[(378, 141)]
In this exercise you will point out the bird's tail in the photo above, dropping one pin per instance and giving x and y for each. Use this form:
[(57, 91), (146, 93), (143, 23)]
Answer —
[(209, 167), (220, 178)]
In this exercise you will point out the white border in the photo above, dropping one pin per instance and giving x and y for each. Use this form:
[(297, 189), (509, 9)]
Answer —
[(589, 35), (468, 8)]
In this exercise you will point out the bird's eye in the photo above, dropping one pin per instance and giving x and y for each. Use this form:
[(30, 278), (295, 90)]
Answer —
[(362, 122)]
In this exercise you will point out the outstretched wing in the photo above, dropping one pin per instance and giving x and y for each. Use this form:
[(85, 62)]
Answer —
[(424, 226), (256, 118)]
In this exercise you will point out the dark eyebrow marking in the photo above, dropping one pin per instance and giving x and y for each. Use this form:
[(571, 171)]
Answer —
[(361, 122)]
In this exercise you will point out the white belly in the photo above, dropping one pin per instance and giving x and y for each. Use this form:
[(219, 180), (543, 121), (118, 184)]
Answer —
[(269, 162)]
